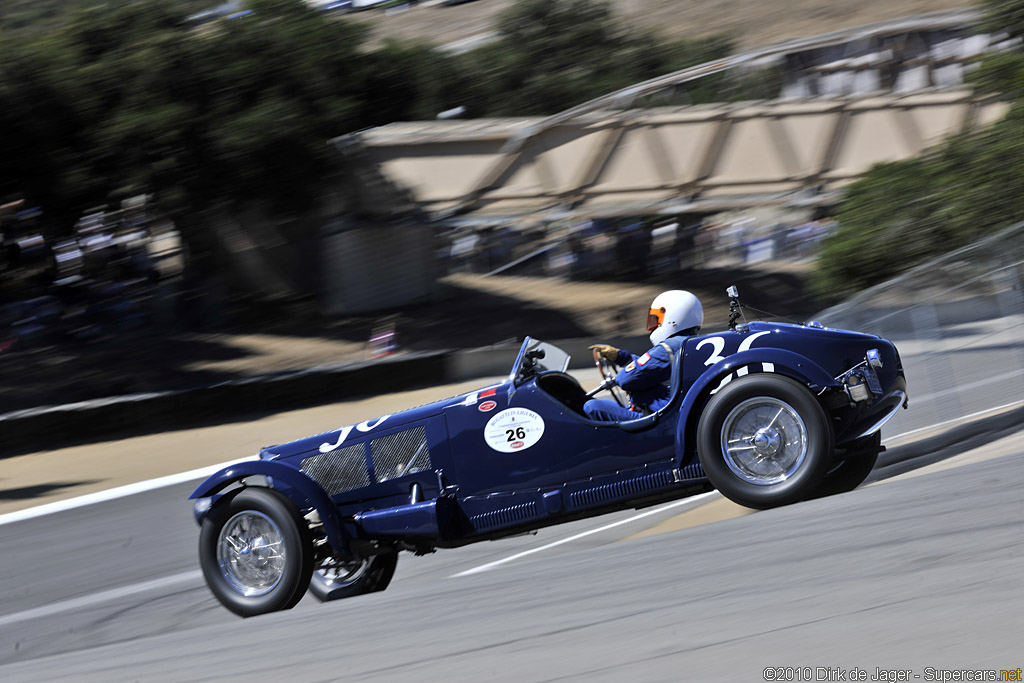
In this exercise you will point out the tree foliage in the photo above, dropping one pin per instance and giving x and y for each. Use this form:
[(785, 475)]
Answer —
[(1004, 16), (111, 98), (901, 214)]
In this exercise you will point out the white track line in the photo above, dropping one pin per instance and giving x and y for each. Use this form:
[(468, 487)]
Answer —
[(944, 423), (96, 598), (531, 551), (118, 492)]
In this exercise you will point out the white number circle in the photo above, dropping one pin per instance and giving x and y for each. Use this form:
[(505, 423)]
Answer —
[(515, 429)]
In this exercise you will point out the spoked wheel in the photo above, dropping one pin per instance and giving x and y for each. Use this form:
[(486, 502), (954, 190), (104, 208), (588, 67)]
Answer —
[(335, 580), (609, 371), (764, 440), (255, 552)]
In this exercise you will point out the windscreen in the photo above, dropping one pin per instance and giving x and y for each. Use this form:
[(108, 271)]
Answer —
[(536, 357)]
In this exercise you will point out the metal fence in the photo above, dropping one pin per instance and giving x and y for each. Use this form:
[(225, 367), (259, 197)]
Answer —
[(958, 322)]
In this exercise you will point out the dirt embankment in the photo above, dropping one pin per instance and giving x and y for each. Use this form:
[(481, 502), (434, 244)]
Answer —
[(752, 24)]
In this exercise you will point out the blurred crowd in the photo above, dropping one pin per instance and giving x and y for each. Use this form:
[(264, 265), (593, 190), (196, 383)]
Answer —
[(615, 248), (120, 273), (99, 280)]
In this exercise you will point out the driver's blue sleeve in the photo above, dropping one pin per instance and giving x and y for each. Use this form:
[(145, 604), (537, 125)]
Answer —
[(625, 358)]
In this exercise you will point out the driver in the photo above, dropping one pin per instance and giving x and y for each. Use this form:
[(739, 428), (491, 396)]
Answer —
[(674, 316)]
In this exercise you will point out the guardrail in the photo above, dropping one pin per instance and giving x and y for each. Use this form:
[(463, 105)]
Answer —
[(958, 322)]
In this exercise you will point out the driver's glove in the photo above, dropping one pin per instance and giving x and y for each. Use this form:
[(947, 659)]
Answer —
[(606, 351)]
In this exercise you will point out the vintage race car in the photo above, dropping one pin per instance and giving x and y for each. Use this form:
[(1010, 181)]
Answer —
[(767, 413)]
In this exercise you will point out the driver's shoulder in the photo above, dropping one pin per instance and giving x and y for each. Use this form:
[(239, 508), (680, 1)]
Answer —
[(656, 355), (673, 345)]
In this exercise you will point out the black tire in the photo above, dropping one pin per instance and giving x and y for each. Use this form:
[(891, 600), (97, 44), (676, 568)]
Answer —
[(858, 462), (256, 552), (369, 575), (782, 440)]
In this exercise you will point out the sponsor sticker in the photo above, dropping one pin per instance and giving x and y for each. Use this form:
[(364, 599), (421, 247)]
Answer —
[(487, 406), (629, 368), (514, 429), (643, 359), (488, 392)]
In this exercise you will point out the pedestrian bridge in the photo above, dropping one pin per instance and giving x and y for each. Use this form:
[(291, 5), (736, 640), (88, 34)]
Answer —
[(669, 160), (619, 156)]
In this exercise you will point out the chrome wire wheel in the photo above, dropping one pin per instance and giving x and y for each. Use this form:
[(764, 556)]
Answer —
[(764, 440), (336, 579), (342, 575), (251, 553)]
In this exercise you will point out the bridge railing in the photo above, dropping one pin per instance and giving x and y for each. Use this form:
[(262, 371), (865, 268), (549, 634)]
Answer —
[(958, 322)]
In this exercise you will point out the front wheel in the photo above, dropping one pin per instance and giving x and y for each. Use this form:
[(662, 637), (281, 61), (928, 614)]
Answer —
[(337, 580), (765, 441), (255, 552)]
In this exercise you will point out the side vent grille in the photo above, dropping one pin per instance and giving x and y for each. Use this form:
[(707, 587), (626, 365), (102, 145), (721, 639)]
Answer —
[(693, 471), (620, 489), (399, 454), (504, 516), (339, 470)]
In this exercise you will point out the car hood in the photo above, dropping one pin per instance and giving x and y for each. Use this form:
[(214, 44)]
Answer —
[(318, 442)]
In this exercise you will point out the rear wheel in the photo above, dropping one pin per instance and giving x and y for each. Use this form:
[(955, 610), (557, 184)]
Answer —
[(858, 462), (255, 552), (336, 580), (764, 441)]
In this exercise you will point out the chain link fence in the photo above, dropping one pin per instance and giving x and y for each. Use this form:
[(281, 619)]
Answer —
[(958, 322)]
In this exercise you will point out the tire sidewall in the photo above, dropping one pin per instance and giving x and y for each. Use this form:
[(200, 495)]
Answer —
[(298, 551), (820, 447)]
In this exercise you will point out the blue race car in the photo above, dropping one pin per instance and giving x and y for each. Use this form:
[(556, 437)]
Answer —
[(767, 413)]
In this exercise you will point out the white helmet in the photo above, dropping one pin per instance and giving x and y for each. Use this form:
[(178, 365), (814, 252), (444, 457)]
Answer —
[(673, 312)]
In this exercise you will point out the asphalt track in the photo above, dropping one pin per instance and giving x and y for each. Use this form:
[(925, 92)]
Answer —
[(906, 574), (914, 572)]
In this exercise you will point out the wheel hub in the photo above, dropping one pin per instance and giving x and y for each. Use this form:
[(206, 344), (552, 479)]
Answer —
[(767, 441)]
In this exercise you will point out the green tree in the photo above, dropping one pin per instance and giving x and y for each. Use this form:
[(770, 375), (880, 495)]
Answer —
[(131, 98), (1004, 16)]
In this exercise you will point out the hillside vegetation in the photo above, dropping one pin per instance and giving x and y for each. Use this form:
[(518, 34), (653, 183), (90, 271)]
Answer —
[(901, 214)]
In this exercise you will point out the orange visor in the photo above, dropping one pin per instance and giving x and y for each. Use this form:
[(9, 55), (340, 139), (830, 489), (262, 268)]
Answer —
[(655, 317)]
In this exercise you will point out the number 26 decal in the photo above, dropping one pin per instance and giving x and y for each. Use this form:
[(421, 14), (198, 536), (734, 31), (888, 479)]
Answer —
[(517, 433), (718, 345)]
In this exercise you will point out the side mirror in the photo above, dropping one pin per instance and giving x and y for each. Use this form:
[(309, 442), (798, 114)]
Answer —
[(732, 292)]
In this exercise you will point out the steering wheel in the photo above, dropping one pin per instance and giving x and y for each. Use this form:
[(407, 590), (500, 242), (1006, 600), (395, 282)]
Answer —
[(608, 371)]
